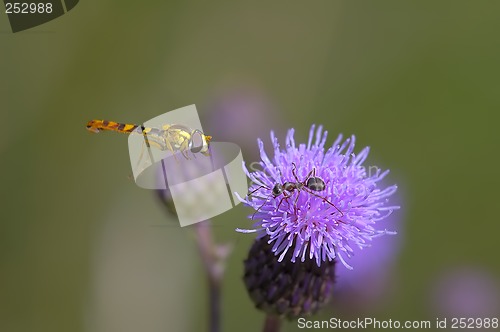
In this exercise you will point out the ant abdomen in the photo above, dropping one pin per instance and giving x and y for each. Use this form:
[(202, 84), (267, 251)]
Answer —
[(316, 184)]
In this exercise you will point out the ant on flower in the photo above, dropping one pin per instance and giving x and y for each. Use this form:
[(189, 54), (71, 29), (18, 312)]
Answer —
[(310, 184)]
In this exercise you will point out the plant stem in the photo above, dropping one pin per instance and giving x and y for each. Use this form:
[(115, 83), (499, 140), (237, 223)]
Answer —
[(272, 324), (213, 257)]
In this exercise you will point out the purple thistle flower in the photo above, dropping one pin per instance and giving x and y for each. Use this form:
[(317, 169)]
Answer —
[(310, 222)]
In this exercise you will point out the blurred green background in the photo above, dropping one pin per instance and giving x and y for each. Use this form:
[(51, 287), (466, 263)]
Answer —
[(83, 249)]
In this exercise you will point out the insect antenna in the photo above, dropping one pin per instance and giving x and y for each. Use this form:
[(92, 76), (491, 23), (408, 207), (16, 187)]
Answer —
[(253, 191), (260, 187), (267, 198)]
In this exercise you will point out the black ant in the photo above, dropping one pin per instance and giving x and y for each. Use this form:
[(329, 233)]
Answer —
[(310, 184)]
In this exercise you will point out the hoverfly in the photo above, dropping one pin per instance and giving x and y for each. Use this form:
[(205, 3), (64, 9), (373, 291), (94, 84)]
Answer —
[(171, 137)]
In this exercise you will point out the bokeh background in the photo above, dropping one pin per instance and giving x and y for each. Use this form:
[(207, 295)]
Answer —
[(83, 249)]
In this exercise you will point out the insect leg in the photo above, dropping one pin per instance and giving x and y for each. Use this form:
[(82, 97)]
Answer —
[(261, 206), (312, 172), (285, 196), (169, 147), (184, 149), (294, 168), (146, 146), (184, 146), (324, 199), (143, 144)]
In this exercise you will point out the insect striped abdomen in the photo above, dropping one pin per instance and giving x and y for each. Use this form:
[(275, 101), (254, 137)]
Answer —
[(100, 125)]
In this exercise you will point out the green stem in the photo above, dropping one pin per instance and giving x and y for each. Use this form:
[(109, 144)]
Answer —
[(213, 257), (272, 324)]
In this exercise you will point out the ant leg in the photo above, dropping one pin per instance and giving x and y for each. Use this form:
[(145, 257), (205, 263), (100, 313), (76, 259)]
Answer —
[(312, 172), (296, 200), (295, 203), (324, 199), (281, 201), (284, 197), (294, 168)]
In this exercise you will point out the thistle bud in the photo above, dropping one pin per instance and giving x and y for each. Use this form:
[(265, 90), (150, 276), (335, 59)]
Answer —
[(287, 289)]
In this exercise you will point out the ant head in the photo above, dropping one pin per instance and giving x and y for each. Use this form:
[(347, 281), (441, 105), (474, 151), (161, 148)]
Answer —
[(277, 189)]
